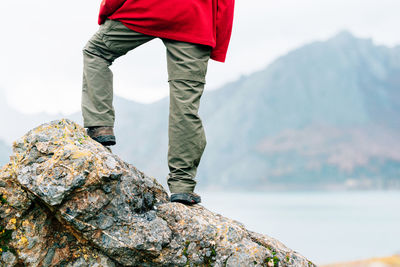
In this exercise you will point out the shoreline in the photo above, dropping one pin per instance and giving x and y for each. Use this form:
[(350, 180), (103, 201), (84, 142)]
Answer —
[(391, 261)]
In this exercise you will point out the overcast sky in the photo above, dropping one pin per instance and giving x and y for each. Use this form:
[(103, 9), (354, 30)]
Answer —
[(41, 43)]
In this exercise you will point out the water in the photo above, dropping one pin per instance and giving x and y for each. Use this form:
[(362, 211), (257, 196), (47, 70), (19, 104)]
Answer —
[(325, 227)]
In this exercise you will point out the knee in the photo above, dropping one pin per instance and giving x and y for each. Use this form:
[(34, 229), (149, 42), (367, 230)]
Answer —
[(188, 76), (88, 48)]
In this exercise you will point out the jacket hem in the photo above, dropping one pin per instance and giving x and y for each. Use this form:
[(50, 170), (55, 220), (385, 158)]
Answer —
[(179, 37)]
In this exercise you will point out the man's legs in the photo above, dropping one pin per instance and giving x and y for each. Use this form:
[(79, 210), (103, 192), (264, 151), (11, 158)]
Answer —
[(111, 41), (187, 68)]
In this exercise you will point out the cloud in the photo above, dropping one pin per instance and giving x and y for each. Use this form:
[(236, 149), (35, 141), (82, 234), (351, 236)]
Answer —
[(42, 43)]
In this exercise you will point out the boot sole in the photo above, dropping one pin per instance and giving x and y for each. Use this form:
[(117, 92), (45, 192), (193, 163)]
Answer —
[(185, 198), (105, 140)]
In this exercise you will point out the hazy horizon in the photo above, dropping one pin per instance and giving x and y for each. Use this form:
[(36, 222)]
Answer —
[(161, 96)]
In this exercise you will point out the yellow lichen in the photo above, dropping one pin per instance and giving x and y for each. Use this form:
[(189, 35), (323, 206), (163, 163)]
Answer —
[(80, 154), (76, 254), (23, 241), (27, 223)]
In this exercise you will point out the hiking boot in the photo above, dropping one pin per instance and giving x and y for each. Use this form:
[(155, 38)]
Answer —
[(102, 134), (186, 198)]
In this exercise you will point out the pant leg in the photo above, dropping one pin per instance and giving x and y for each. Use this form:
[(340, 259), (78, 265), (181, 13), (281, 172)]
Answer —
[(111, 41), (187, 68)]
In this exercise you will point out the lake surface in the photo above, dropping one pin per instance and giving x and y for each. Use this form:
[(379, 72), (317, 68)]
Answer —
[(325, 227)]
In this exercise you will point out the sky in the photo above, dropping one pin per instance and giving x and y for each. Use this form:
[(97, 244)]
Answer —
[(41, 46)]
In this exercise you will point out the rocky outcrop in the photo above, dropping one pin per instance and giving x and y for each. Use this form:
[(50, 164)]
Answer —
[(67, 201)]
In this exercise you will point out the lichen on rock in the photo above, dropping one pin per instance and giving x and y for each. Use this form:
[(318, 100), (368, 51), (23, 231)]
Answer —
[(68, 201)]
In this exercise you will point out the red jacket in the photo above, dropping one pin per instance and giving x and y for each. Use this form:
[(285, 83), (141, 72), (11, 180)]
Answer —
[(207, 22)]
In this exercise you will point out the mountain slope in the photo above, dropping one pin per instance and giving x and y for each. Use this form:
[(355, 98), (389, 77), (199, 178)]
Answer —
[(323, 115), (345, 83)]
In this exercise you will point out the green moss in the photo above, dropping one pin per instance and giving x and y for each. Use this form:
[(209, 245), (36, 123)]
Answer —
[(274, 258), (226, 261), (213, 252), (208, 261), (185, 253), (2, 199), (186, 245), (5, 237)]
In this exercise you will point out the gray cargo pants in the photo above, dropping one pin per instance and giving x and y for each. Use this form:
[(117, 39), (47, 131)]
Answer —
[(187, 68)]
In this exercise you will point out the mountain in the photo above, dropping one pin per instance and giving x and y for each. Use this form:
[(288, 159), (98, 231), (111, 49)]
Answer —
[(17, 123), (324, 115)]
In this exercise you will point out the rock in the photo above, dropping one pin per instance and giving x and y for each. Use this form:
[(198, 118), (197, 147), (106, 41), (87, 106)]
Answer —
[(66, 200), (8, 258)]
